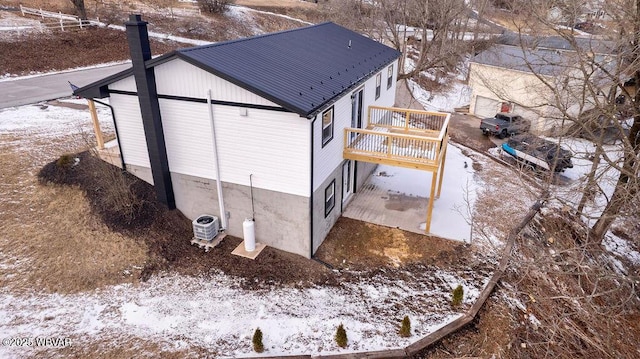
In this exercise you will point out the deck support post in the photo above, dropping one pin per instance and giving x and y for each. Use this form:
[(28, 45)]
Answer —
[(419, 148), (441, 171), (96, 124), (434, 177)]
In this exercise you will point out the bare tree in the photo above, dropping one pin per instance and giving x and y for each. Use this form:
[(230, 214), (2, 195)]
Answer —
[(80, 8), (583, 80), (574, 298), (574, 301), (429, 34)]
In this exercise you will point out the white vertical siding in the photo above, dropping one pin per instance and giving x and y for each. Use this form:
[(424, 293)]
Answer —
[(328, 158), (187, 134), (130, 130), (273, 146), (179, 78), (388, 96), (126, 84)]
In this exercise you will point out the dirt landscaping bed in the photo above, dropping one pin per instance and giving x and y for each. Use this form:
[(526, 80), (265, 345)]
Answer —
[(128, 206), (358, 245), (64, 50), (352, 246)]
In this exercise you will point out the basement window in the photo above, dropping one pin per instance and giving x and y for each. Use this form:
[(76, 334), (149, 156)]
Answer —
[(327, 126), (389, 76), (378, 84), (329, 198)]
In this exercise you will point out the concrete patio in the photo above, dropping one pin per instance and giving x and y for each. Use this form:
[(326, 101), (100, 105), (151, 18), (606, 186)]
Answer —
[(398, 197)]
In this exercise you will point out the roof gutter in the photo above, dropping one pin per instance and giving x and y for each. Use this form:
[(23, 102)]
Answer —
[(311, 193)]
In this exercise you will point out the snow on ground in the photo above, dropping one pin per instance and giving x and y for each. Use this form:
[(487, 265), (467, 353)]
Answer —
[(459, 95), (241, 12), (621, 247), (178, 312), (450, 218), (452, 211), (12, 24), (582, 163), (53, 121), (215, 313)]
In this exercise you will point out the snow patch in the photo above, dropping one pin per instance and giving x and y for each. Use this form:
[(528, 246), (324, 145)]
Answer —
[(459, 95), (450, 217), (213, 313), (51, 120), (621, 247)]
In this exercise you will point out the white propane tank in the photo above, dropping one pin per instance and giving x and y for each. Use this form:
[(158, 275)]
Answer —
[(249, 233)]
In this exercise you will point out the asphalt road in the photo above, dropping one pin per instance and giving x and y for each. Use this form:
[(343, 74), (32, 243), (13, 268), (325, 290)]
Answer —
[(48, 87)]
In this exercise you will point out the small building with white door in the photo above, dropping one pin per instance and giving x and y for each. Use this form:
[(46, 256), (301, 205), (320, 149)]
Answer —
[(541, 79)]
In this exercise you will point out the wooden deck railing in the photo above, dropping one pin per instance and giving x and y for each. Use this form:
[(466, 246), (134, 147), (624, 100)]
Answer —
[(398, 136), (407, 120), (381, 147)]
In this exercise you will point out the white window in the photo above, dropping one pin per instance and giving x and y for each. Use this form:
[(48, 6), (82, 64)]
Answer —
[(378, 84), (389, 76), (329, 198), (327, 126)]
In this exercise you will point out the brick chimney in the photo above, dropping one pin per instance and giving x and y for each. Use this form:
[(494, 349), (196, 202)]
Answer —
[(140, 50)]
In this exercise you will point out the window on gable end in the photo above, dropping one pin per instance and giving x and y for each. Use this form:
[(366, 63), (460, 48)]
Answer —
[(327, 126), (389, 76), (378, 84)]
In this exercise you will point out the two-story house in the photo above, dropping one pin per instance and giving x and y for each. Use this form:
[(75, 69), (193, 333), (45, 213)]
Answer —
[(255, 127)]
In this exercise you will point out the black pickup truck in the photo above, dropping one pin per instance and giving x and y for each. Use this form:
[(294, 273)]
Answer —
[(504, 124)]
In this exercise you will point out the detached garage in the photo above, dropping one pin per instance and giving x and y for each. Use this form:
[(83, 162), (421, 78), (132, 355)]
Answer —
[(486, 107), (533, 82)]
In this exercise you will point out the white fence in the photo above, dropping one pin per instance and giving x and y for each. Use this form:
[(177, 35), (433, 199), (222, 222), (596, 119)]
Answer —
[(64, 20)]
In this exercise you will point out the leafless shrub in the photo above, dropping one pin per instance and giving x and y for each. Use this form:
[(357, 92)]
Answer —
[(122, 200), (214, 6), (111, 13)]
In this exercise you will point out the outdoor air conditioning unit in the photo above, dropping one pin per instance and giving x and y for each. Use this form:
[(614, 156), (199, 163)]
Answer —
[(206, 227)]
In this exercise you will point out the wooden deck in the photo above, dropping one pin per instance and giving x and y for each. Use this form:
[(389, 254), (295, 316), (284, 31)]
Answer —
[(405, 138), (399, 137)]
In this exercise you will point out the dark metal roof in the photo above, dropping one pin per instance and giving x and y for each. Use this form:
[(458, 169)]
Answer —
[(588, 44), (543, 62), (302, 69), (540, 61)]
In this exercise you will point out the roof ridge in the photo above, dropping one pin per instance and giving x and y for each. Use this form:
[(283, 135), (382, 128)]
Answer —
[(253, 37)]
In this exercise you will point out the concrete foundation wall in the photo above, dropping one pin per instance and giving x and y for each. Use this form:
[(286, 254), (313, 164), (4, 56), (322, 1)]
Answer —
[(321, 224), (281, 220), (144, 173)]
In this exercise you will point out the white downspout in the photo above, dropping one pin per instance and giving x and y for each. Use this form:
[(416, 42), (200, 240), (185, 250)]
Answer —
[(223, 213)]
